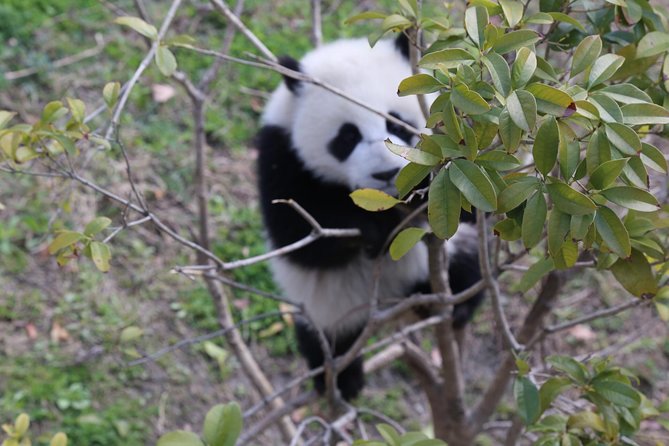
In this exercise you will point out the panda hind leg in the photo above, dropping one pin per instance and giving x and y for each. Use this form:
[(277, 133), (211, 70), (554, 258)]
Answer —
[(351, 380)]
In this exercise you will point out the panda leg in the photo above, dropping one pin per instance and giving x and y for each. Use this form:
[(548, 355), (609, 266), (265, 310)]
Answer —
[(351, 380)]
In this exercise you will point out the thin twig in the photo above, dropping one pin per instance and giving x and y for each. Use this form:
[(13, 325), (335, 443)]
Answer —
[(316, 31), (118, 110), (491, 281)]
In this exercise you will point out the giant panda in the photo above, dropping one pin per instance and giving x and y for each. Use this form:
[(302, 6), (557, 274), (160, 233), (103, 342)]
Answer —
[(316, 148)]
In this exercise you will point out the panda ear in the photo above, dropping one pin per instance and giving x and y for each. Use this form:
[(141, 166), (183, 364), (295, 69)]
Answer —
[(402, 44), (292, 64)]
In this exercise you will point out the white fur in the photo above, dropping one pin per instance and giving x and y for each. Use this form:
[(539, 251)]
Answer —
[(314, 115), (338, 299)]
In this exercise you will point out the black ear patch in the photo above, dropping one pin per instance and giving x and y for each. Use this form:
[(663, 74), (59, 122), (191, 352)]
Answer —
[(292, 64), (402, 44), (342, 145)]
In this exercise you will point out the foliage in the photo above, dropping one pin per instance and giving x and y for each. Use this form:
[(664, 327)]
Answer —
[(613, 412), (554, 148), (18, 434), (392, 438), (221, 427)]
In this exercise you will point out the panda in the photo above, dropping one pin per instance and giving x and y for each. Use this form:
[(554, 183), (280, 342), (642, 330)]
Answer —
[(316, 148)]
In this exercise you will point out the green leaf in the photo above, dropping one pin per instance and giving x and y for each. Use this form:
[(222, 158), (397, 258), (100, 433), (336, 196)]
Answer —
[(52, 111), (389, 434), (138, 25), (222, 425), (513, 11), (606, 173), (527, 400), (585, 54), (523, 67), (5, 117), (507, 229), (474, 184), (498, 160), (509, 132), (570, 201), (367, 15), (515, 194), (612, 231), (77, 108), (110, 93), (635, 275), (96, 225), (623, 138), (414, 155), (571, 367), (653, 158), (561, 17), (468, 101), (131, 333), (534, 219), (551, 100), (586, 419), (515, 40), (448, 58), (618, 393), (551, 389), (499, 72), (64, 239), (476, 19), (626, 94), (418, 84), (405, 240), (60, 439), (522, 109), (180, 438), (546, 143), (443, 206), (534, 274), (604, 67), (608, 110), (167, 63), (373, 200), (395, 22), (652, 44), (638, 114), (409, 177), (101, 254), (632, 198)]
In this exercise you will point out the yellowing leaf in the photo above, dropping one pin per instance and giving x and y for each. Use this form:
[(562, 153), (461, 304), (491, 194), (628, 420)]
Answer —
[(404, 241), (373, 200)]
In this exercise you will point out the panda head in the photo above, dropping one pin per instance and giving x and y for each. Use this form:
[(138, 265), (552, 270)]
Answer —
[(337, 140)]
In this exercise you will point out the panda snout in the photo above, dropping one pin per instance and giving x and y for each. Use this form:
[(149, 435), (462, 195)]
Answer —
[(386, 175)]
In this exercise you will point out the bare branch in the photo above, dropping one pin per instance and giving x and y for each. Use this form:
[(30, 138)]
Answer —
[(491, 281), (118, 110), (198, 339), (316, 32), (223, 8)]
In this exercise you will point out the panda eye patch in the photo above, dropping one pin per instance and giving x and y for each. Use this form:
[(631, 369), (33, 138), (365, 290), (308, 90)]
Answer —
[(346, 140), (397, 130)]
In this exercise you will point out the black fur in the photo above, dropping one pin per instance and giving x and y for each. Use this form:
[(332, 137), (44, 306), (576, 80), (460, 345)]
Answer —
[(351, 380), (292, 64), (282, 175), (402, 44), (343, 144)]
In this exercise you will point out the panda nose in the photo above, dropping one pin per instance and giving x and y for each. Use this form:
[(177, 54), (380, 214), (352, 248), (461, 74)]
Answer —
[(386, 175)]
